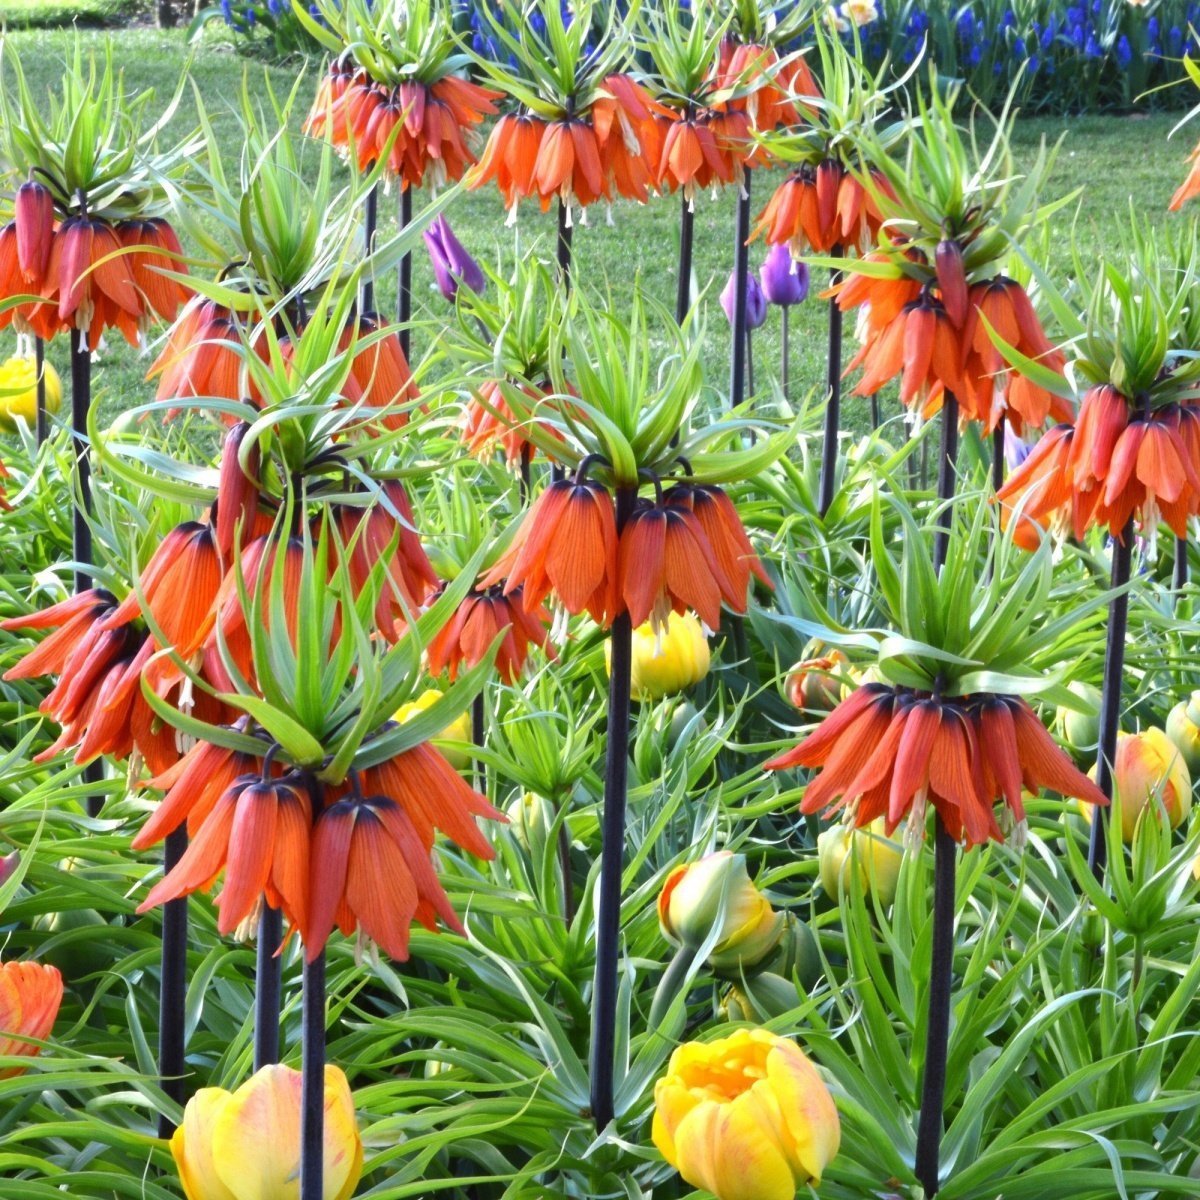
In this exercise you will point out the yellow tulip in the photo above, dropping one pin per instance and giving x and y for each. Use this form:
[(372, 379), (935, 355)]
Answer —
[(877, 857), (18, 390), (531, 818), (666, 663), (1147, 767), (458, 730), (746, 1117), (818, 683), (245, 1145), (717, 892), (1183, 728)]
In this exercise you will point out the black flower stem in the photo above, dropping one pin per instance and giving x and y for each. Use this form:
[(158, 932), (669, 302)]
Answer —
[(478, 725), (172, 999), (565, 230), (941, 956), (741, 271), (1179, 579), (526, 461), (946, 478), (39, 366), (267, 986), (81, 403), (937, 1038), (312, 1084), (833, 402), (608, 914), (875, 410), (405, 282), (1110, 691), (784, 350), (564, 865), (998, 457), (683, 285), (370, 224)]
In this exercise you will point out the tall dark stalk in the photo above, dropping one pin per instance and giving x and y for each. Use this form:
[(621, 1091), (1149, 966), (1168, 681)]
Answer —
[(312, 1082), (81, 403), (563, 244), (478, 725), (370, 224), (833, 402), (404, 280), (875, 410), (526, 464), (39, 366), (1110, 691), (268, 979), (941, 959), (81, 534), (1179, 576), (683, 285), (946, 478), (172, 999), (937, 1038), (608, 912), (998, 457), (741, 272)]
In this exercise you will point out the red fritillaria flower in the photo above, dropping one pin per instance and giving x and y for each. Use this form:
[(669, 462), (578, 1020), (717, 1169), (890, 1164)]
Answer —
[(567, 544), (1117, 461), (820, 207), (890, 751), (718, 517), (89, 279), (258, 832), (30, 996), (200, 358), (33, 219), (371, 865), (236, 509), (477, 621), (379, 373), (153, 248), (432, 124)]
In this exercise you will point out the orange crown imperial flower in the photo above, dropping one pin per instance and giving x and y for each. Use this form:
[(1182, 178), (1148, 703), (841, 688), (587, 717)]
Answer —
[(890, 751), (464, 640), (30, 996), (822, 207)]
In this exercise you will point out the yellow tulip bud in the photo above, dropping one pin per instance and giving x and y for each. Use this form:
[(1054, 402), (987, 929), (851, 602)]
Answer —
[(717, 892), (458, 731), (878, 859), (666, 663), (1183, 728), (531, 817), (746, 1117), (245, 1145), (1147, 768), (1081, 730), (18, 390)]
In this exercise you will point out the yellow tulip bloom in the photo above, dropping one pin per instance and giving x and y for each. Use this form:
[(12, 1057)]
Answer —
[(666, 662), (245, 1145), (746, 1117), (458, 731), (18, 390), (1148, 767)]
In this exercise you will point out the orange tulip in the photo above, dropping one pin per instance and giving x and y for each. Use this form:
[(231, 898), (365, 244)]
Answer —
[(30, 996)]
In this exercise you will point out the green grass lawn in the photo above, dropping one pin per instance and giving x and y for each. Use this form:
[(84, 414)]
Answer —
[(1114, 162), (24, 14)]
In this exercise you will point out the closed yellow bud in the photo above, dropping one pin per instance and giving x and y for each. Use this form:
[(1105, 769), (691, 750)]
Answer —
[(1147, 767), (18, 390), (458, 731), (531, 817), (717, 893), (1183, 728), (840, 849), (746, 1117), (667, 662), (245, 1145)]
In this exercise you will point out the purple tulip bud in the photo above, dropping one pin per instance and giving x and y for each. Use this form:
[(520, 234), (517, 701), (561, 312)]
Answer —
[(784, 278), (452, 264), (756, 302), (1015, 450), (8, 864)]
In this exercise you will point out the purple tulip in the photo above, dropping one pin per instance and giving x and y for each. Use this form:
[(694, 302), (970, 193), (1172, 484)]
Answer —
[(8, 864), (784, 278), (756, 302), (451, 263)]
